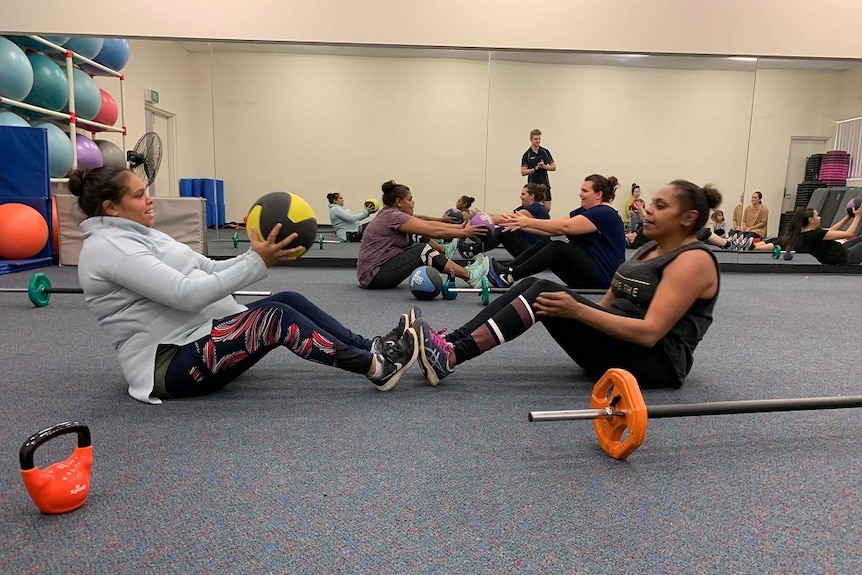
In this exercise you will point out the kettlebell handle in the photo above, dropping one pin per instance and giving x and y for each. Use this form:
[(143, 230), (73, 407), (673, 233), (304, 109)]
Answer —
[(37, 439)]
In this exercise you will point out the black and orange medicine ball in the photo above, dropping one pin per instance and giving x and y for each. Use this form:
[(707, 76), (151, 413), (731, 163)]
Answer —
[(291, 211)]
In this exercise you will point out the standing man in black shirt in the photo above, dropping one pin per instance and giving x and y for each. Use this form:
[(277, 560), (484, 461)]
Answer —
[(536, 163)]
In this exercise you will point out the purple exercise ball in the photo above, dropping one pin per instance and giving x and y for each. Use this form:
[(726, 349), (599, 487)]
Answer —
[(89, 154)]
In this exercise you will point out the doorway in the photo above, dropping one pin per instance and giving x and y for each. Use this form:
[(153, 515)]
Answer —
[(800, 148), (164, 123)]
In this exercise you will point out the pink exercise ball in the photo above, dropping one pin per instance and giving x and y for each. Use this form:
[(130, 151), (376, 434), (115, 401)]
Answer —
[(107, 113)]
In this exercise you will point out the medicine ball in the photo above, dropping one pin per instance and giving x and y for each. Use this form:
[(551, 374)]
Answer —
[(292, 212), (455, 216), (372, 205), (425, 283), (469, 247), (853, 205)]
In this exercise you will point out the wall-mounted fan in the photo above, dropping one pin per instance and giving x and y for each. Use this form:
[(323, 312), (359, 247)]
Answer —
[(145, 159)]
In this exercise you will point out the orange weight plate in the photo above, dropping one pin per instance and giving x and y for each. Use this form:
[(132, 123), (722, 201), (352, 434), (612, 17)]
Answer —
[(619, 435)]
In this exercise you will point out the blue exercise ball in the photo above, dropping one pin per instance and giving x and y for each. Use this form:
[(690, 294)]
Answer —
[(114, 54), (88, 98), (8, 118), (16, 72), (425, 283), (50, 86), (26, 42), (86, 47), (59, 150)]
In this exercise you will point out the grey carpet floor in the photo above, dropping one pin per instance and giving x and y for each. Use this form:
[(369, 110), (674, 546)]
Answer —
[(298, 468)]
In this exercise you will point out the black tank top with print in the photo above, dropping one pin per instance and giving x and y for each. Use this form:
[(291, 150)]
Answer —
[(634, 286)]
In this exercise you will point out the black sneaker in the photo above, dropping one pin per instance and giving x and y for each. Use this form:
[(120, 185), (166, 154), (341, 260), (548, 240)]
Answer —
[(495, 277), (397, 356), (378, 342)]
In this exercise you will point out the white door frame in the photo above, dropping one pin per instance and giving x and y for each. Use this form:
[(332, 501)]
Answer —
[(169, 149)]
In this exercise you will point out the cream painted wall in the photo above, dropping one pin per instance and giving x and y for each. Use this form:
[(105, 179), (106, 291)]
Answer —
[(787, 103), (641, 125), (749, 27), (317, 124)]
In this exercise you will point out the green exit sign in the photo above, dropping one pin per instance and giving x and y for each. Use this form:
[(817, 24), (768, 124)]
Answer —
[(151, 96)]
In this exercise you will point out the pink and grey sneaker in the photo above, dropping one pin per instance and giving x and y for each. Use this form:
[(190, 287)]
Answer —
[(434, 352)]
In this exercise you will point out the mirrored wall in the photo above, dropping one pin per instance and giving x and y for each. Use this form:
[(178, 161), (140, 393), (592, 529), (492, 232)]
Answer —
[(318, 119)]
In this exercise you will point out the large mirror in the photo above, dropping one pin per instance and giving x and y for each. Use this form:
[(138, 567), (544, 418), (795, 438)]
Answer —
[(253, 118)]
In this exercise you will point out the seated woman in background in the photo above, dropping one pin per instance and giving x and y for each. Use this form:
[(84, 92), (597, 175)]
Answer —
[(518, 241), (657, 310), (462, 211), (806, 236), (169, 312), (388, 255), (754, 219), (595, 248), (634, 208), (346, 225)]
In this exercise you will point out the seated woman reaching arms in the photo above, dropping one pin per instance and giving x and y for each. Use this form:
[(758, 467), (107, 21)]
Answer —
[(596, 243), (387, 256), (657, 310), (517, 242), (806, 236), (169, 311), (346, 224)]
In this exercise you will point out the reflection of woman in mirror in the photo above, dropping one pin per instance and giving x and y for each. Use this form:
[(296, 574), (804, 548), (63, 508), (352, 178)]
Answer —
[(595, 248), (518, 241), (346, 224), (806, 236), (755, 218), (462, 211), (658, 308), (634, 210), (388, 254)]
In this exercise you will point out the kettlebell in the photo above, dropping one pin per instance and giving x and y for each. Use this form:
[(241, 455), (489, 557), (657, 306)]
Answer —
[(61, 487)]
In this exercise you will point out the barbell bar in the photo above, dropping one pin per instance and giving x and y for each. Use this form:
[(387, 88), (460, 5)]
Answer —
[(620, 414), (40, 290)]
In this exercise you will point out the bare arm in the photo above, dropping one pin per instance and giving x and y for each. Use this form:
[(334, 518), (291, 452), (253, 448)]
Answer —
[(416, 225), (565, 226), (837, 233), (525, 171), (692, 275)]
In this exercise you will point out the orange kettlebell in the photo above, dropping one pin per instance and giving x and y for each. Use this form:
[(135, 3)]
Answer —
[(64, 486)]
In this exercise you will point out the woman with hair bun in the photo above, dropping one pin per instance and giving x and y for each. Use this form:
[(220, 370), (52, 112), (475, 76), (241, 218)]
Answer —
[(169, 312), (649, 322), (596, 243)]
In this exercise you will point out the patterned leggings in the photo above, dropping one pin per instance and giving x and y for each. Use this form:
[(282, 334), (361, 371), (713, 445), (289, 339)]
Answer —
[(237, 342)]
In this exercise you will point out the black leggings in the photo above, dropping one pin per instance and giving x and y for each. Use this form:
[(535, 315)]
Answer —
[(399, 268), (515, 242), (854, 251), (511, 314), (570, 263)]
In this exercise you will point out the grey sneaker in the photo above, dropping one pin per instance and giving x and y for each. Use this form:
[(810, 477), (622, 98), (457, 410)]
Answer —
[(435, 351), (397, 356), (478, 270), (393, 336)]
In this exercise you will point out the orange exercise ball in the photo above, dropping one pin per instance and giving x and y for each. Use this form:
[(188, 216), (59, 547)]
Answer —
[(55, 224), (23, 232)]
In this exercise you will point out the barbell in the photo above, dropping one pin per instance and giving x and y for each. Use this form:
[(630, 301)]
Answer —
[(451, 291), (40, 290), (620, 414)]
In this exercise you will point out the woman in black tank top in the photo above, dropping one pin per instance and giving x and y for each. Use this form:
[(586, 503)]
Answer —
[(649, 322)]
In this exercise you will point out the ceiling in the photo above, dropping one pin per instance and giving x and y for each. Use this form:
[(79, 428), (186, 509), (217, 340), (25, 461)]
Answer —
[(533, 57)]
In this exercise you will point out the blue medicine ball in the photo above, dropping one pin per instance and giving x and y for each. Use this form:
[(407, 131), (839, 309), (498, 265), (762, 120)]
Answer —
[(425, 283)]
